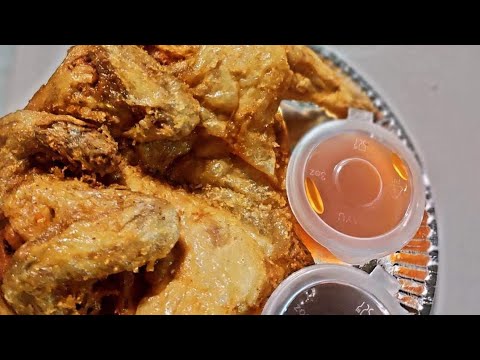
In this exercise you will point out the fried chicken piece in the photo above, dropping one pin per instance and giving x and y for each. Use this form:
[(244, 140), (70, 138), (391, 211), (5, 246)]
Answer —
[(244, 85), (122, 87), (225, 265), (317, 82), (125, 89), (74, 234), (85, 235), (26, 136)]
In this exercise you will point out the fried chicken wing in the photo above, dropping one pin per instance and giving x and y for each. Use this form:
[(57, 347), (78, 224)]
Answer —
[(315, 81), (244, 85), (54, 272)]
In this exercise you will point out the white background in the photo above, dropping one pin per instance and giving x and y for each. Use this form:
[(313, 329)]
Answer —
[(434, 90)]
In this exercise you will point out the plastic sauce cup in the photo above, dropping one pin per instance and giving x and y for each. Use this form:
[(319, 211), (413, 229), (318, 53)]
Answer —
[(355, 188), (336, 290)]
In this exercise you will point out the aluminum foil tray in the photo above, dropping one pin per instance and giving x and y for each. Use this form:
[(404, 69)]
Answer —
[(416, 265)]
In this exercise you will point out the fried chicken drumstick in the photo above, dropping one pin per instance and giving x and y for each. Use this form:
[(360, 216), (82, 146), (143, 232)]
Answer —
[(149, 179)]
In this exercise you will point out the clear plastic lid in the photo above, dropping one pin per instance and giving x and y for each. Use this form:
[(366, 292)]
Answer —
[(336, 290), (355, 188)]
